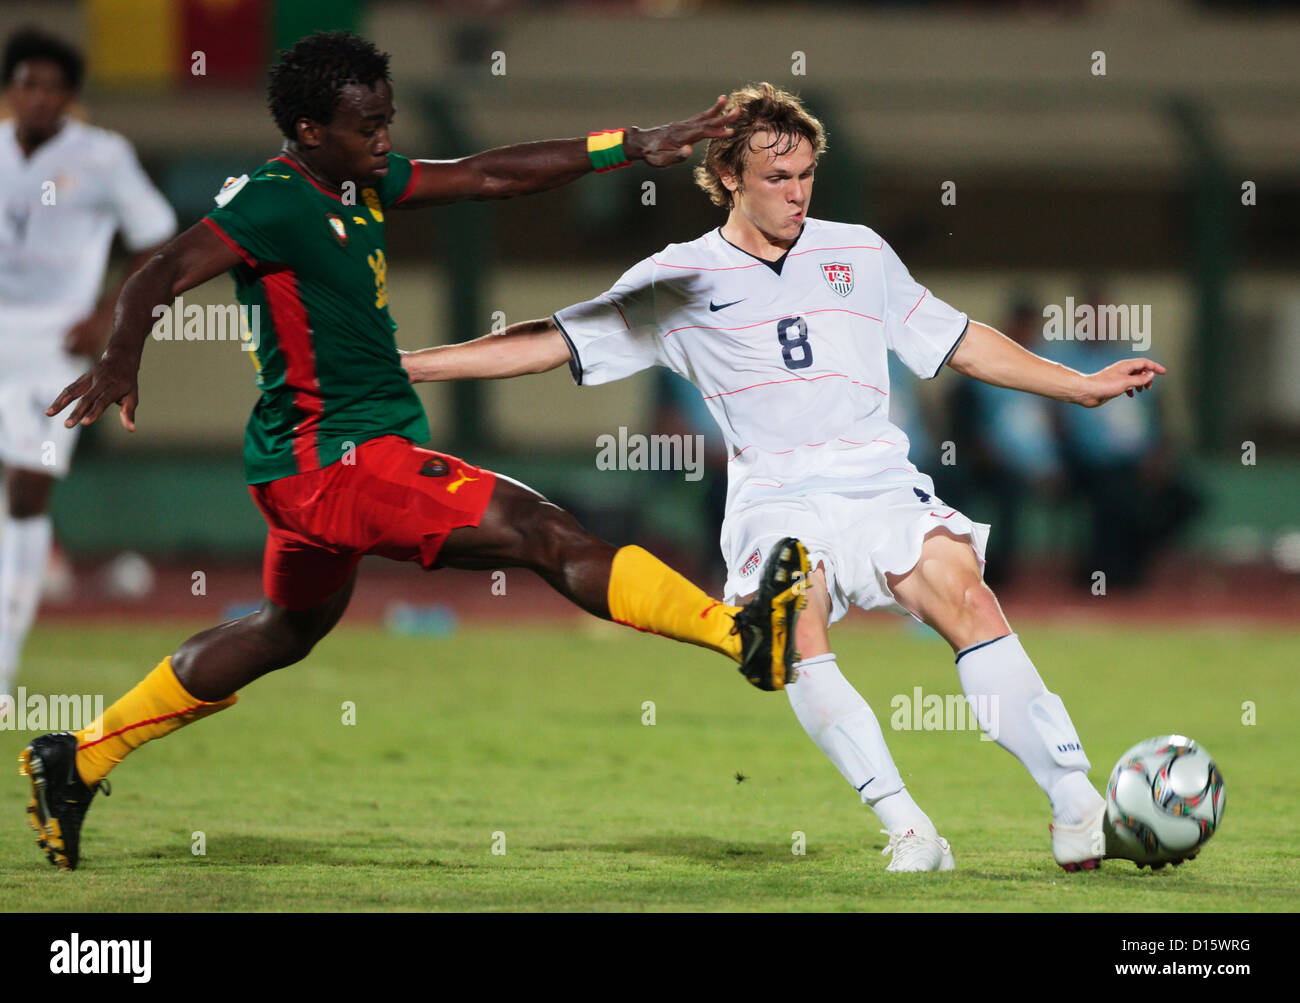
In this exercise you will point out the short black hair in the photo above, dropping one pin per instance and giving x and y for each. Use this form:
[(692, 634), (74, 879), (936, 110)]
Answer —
[(309, 78), (32, 43)]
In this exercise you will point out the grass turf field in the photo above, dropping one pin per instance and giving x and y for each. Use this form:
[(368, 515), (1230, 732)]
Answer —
[(537, 733)]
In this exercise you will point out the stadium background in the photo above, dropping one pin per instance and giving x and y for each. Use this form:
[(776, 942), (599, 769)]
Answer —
[(1066, 181)]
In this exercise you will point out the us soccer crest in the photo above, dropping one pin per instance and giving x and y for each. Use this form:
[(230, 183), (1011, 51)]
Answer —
[(839, 277), (336, 224)]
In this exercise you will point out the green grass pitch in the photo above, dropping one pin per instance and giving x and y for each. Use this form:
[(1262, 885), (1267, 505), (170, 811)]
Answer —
[(532, 739)]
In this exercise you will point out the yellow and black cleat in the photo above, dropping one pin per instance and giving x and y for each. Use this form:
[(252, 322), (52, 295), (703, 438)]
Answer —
[(766, 624), (59, 796)]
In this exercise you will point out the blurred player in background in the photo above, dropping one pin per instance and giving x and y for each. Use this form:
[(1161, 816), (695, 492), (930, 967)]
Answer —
[(1121, 462), (330, 453), (65, 189), (1014, 448), (784, 323)]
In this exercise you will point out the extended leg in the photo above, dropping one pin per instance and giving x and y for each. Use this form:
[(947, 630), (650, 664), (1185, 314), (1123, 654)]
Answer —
[(1014, 706), (629, 585), (198, 680)]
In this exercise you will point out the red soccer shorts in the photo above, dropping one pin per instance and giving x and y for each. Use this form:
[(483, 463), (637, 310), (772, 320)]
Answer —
[(394, 499)]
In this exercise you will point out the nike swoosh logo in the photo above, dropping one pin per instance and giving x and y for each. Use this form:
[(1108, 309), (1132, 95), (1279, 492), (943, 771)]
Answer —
[(715, 307), (864, 785)]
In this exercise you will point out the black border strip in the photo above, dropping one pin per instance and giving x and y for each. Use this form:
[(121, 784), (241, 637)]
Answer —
[(982, 644), (955, 345), (575, 362)]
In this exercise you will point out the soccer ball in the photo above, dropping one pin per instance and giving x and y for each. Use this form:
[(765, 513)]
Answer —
[(1165, 798)]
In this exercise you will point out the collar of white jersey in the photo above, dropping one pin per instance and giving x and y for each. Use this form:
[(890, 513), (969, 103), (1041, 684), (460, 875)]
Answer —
[(776, 266)]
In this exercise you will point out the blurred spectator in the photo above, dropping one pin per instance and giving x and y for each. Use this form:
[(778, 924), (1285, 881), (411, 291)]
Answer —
[(1121, 463), (1011, 451)]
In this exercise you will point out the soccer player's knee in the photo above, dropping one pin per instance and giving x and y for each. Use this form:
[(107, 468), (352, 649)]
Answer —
[(554, 533), (285, 640), (980, 607)]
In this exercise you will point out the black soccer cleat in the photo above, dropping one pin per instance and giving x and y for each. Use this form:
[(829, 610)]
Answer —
[(766, 624), (59, 796)]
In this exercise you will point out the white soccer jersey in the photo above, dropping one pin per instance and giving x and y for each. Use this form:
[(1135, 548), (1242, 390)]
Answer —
[(58, 213), (792, 364)]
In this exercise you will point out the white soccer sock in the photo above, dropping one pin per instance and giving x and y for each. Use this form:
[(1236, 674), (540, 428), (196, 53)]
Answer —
[(24, 553), (844, 727), (1017, 710)]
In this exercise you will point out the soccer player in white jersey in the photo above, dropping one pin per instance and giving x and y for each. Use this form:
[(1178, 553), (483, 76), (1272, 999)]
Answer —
[(65, 189), (783, 323)]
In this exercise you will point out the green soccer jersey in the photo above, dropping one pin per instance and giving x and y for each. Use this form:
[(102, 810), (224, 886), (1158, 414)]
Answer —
[(314, 288)]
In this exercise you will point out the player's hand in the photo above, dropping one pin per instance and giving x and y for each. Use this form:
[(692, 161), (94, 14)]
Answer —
[(110, 381), (665, 145), (87, 337), (1129, 376)]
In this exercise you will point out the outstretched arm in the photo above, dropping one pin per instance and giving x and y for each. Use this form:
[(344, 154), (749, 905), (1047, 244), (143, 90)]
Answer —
[(992, 357), (190, 260), (531, 346), (534, 167)]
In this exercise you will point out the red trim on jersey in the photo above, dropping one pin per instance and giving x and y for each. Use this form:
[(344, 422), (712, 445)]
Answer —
[(789, 254), (746, 327), (846, 247), (310, 180), (410, 184), (796, 379), (701, 268), (293, 333), (924, 294), (230, 242), (810, 445), (620, 313)]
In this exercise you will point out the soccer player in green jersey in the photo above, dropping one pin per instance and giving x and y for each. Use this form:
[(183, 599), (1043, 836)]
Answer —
[(330, 452)]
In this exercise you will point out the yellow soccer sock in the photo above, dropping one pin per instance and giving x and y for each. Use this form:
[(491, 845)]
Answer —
[(157, 706), (647, 594)]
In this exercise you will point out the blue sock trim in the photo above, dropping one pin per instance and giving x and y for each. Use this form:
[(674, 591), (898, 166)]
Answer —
[(982, 644)]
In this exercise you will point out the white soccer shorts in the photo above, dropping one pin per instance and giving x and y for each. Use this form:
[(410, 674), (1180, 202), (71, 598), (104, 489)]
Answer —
[(860, 537), (28, 439)]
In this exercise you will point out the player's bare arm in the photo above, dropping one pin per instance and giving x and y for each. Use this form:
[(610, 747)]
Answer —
[(991, 357), (525, 168), (531, 346), (191, 259)]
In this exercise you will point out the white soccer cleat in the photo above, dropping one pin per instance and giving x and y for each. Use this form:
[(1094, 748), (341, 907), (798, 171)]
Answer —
[(912, 851), (1080, 847)]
